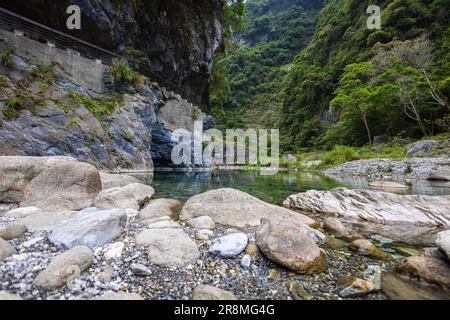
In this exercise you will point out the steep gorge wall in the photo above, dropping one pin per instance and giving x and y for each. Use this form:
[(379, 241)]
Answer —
[(179, 37)]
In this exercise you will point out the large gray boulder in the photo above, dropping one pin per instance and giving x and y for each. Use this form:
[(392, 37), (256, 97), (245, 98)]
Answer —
[(64, 267), (337, 229), (116, 180), (6, 249), (159, 208), (169, 247), (17, 172), (443, 242), (290, 244), (374, 206), (131, 196), (64, 186), (12, 231), (423, 146), (90, 228), (423, 276), (237, 209)]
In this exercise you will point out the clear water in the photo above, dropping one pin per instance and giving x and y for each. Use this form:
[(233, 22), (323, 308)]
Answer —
[(270, 188)]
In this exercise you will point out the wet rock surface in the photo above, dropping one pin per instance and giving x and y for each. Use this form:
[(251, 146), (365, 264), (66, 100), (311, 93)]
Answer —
[(237, 209), (404, 217)]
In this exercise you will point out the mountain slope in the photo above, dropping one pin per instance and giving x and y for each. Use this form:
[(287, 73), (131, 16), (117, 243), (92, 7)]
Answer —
[(253, 71), (342, 38)]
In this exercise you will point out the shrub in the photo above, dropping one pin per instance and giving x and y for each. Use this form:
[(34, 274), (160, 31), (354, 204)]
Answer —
[(5, 57), (100, 108), (13, 108), (45, 74), (127, 135), (120, 71), (16, 103), (340, 154)]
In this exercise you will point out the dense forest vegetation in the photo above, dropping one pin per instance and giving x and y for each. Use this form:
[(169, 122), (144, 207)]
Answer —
[(249, 76), (326, 79)]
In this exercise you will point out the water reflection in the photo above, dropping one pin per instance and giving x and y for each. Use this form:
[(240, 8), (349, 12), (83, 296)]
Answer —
[(273, 188), (270, 188)]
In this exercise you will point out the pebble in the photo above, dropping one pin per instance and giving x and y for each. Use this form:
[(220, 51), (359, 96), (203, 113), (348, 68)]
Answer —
[(114, 251), (140, 270), (246, 262), (32, 242)]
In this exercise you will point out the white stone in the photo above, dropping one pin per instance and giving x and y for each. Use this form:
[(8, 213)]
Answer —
[(114, 251), (229, 246), (246, 262), (32, 242)]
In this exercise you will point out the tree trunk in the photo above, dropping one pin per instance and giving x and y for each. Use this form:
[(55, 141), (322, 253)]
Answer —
[(367, 128)]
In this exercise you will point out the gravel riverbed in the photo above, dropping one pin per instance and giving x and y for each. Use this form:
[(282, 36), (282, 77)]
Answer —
[(264, 280)]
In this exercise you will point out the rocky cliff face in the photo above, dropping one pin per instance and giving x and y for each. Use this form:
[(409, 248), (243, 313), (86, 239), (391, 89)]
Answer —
[(179, 37), (116, 130)]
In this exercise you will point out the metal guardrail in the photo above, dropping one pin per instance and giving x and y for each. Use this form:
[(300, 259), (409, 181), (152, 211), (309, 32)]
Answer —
[(11, 21)]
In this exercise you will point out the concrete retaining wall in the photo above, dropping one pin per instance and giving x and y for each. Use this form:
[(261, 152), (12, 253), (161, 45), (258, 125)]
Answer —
[(77, 69)]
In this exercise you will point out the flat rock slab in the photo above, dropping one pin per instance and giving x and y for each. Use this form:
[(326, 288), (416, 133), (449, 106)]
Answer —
[(169, 247), (90, 228), (131, 196), (443, 175), (375, 206), (237, 209), (20, 213), (64, 186), (159, 208), (211, 293), (290, 245), (387, 185), (63, 267)]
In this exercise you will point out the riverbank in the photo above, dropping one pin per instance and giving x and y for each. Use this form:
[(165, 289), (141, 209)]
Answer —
[(122, 242)]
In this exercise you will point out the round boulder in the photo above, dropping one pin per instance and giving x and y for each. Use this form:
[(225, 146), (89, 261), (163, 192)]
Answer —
[(290, 245)]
